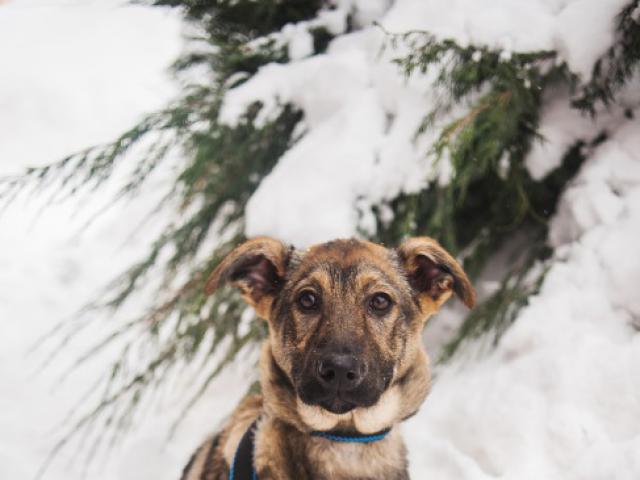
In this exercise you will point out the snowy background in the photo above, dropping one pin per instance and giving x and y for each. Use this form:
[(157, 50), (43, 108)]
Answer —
[(560, 396), (75, 74)]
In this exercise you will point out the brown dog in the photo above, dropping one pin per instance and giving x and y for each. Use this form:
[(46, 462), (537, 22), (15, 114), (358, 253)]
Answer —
[(344, 361)]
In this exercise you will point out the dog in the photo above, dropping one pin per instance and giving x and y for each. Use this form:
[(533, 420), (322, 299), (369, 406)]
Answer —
[(343, 363)]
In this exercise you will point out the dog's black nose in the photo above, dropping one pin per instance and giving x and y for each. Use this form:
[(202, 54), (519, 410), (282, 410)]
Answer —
[(339, 370)]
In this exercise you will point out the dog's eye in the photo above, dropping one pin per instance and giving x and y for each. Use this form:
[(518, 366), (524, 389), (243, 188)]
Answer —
[(380, 303), (307, 300)]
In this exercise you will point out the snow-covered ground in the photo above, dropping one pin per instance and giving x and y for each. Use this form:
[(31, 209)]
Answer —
[(560, 396)]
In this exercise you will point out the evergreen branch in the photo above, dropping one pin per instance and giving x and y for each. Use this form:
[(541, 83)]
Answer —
[(496, 313), (184, 310), (486, 149), (450, 132), (220, 168)]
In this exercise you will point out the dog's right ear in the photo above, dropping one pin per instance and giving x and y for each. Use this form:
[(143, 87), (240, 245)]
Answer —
[(257, 268), (434, 274)]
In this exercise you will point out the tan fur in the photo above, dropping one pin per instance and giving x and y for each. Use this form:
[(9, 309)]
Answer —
[(344, 274), (200, 459), (243, 417)]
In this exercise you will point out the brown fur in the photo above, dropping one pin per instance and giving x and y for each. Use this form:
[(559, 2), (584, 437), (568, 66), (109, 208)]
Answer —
[(343, 275)]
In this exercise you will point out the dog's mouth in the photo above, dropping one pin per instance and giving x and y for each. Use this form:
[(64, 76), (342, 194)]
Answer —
[(337, 401), (337, 405)]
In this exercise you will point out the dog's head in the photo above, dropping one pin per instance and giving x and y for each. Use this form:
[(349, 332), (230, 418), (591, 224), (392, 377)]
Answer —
[(345, 317)]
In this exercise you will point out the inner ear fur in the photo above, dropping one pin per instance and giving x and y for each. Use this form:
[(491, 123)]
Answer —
[(257, 268), (432, 271)]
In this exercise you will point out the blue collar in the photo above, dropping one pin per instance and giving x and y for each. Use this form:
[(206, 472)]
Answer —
[(352, 437)]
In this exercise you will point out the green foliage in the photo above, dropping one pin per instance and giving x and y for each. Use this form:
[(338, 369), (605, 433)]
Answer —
[(183, 322), (247, 19), (489, 198), (241, 32), (494, 315)]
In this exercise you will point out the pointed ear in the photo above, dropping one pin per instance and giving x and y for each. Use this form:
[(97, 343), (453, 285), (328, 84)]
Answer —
[(257, 268), (434, 274)]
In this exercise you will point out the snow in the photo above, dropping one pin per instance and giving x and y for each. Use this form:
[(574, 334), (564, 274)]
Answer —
[(389, 159), (74, 74), (361, 117), (573, 27), (41, 52), (559, 398), (585, 36), (301, 43)]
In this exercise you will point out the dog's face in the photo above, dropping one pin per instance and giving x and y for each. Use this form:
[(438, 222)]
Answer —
[(345, 317)]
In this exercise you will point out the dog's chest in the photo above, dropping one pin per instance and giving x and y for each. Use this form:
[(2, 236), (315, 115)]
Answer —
[(357, 461)]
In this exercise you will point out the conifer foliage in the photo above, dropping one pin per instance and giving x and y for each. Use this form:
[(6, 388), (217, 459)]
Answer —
[(490, 195), (488, 199)]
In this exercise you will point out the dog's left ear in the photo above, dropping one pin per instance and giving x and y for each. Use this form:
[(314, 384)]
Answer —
[(257, 268), (434, 274)]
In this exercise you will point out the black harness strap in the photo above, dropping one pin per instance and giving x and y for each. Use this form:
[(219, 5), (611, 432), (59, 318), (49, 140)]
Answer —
[(242, 467)]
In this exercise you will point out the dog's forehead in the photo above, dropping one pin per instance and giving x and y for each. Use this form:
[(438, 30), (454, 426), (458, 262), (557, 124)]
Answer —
[(347, 248), (357, 256)]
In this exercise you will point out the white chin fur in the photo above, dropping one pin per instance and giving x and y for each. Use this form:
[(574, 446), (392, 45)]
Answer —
[(318, 418), (366, 420), (379, 416)]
